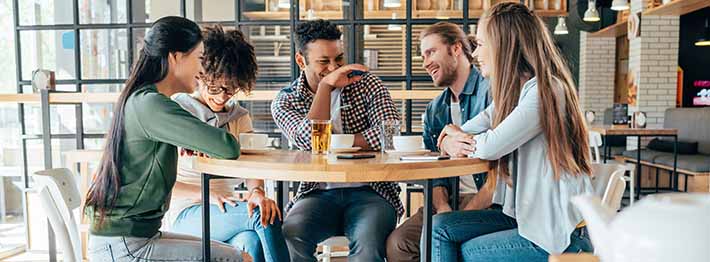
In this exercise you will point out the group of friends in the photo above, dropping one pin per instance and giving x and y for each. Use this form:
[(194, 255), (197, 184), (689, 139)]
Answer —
[(508, 97)]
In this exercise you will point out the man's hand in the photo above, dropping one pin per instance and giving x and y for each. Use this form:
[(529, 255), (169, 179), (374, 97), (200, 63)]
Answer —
[(339, 78), (269, 210)]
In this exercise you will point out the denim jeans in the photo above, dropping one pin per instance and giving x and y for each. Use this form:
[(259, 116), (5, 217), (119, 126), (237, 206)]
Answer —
[(489, 235), (162, 247), (360, 214), (236, 228)]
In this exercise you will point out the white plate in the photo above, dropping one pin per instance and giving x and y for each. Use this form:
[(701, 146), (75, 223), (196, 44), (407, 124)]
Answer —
[(257, 150), (345, 149), (418, 151)]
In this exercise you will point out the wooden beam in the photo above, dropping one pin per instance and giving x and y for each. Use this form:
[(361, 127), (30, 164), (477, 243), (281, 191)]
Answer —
[(615, 30), (678, 8)]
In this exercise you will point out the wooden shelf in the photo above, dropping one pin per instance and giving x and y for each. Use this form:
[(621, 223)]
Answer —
[(678, 8), (615, 30), (255, 96)]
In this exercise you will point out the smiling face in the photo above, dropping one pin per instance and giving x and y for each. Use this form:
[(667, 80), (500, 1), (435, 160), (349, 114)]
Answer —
[(188, 67), (321, 58), (439, 62), (483, 53), (216, 94)]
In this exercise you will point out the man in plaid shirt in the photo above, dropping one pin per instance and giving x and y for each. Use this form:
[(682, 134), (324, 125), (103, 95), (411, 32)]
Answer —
[(364, 212)]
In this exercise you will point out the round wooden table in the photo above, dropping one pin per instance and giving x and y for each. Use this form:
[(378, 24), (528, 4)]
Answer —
[(281, 165)]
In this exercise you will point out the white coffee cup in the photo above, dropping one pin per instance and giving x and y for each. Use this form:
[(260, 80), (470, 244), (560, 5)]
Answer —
[(250, 140), (408, 143), (342, 140)]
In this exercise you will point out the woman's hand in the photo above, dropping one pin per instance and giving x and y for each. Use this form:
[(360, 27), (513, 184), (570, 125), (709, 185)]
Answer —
[(220, 200), (455, 142), (269, 210)]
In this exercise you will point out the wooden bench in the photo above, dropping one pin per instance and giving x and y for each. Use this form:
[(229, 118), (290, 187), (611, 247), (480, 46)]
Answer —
[(693, 182)]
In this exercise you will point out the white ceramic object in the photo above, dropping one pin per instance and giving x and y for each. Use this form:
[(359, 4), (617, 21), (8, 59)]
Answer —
[(408, 143), (253, 141), (341, 141), (346, 149), (661, 227)]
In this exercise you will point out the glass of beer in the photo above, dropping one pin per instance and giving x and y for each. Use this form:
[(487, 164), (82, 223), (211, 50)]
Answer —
[(320, 136)]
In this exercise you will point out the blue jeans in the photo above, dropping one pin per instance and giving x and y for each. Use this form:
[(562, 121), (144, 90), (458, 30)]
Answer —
[(360, 214), (489, 235), (236, 228)]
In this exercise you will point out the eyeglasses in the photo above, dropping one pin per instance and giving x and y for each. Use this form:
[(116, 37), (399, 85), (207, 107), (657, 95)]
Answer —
[(218, 90)]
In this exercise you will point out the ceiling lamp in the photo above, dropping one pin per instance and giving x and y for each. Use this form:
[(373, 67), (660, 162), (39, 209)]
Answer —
[(619, 5), (704, 40), (591, 15), (561, 28)]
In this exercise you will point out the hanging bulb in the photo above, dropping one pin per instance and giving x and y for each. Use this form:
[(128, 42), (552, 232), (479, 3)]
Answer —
[(284, 4), (561, 28), (392, 3), (591, 15), (704, 40), (619, 5)]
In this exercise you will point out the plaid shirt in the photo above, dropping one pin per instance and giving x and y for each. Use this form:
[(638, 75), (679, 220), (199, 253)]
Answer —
[(369, 103)]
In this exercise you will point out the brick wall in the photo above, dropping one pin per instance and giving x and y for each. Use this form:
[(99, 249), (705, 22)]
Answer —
[(596, 73)]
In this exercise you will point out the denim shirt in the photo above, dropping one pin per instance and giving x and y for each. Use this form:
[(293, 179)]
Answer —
[(473, 99)]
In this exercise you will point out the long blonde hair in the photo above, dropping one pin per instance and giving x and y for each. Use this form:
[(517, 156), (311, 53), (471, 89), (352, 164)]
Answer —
[(522, 48)]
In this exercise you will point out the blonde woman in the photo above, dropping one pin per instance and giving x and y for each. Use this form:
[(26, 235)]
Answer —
[(535, 135)]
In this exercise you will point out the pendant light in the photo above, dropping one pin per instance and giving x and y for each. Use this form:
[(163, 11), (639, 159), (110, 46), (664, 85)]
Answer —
[(284, 4), (704, 40), (619, 5), (392, 3), (591, 15), (561, 28), (394, 27)]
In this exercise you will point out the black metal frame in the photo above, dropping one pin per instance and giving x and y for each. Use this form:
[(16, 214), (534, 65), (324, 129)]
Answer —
[(350, 20)]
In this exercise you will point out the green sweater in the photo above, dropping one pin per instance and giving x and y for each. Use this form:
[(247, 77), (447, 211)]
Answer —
[(154, 126)]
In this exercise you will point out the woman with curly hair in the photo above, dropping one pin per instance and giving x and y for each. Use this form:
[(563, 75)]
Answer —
[(253, 225)]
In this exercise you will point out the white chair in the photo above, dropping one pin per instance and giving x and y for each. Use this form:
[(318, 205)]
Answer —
[(328, 251), (609, 183), (60, 196), (595, 141)]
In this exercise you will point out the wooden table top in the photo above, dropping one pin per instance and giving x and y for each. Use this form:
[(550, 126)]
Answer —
[(628, 131), (285, 165)]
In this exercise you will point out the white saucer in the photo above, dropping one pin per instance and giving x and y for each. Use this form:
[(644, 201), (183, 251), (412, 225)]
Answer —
[(417, 151), (346, 149), (257, 150)]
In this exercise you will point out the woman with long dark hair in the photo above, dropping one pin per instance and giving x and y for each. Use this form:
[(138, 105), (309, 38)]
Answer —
[(536, 138), (130, 193)]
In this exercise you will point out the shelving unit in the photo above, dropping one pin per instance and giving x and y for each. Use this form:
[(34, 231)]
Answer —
[(678, 8)]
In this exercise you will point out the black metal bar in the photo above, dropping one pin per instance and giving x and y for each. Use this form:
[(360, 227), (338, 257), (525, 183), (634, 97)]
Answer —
[(657, 180), (427, 219), (675, 163), (237, 13), (606, 146), (408, 65), (293, 9), (638, 167), (183, 8), (129, 34), (455, 188), (465, 16), (206, 217), (280, 195)]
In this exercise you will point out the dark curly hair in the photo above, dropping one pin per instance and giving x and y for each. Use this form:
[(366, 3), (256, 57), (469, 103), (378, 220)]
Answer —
[(229, 57), (313, 30)]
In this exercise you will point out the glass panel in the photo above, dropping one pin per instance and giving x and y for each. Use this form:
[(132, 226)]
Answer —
[(8, 77), (148, 11), (324, 9), (210, 10), (97, 116), (12, 229), (45, 12), (63, 119), (265, 10), (94, 144), (138, 37), (383, 49), (418, 109), (439, 9), (104, 54), (382, 9), (51, 50), (102, 11), (273, 49)]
